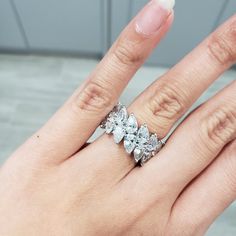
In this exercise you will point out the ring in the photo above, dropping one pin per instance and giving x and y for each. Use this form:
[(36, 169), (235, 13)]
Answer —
[(136, 140)]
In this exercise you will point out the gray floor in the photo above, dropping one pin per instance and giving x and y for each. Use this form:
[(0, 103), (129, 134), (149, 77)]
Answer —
[(33, 87)]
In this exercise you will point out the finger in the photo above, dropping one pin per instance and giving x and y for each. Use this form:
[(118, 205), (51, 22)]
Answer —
[(167, 99), (212, 192), (194, 145), (75, 122)]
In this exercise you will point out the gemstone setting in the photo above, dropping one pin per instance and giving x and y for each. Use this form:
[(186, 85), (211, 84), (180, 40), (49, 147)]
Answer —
[(137, 141)]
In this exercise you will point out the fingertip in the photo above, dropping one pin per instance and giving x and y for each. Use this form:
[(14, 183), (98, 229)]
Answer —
[(152, 18)]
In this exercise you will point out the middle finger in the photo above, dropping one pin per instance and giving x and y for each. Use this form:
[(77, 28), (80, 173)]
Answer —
[(165, 101)]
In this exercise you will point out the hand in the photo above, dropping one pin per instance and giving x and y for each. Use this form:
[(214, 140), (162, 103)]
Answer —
[(52, 185)]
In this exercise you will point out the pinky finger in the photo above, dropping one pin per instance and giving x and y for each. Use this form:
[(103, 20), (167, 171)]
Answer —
[(208, 195)]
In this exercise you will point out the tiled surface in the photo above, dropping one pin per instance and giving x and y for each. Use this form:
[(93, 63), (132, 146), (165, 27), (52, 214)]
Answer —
[(33, 87)]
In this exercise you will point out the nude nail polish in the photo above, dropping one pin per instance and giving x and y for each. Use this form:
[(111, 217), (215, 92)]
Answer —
[(153, 16)]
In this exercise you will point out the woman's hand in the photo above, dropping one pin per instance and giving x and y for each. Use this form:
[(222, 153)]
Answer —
[(53, 186)]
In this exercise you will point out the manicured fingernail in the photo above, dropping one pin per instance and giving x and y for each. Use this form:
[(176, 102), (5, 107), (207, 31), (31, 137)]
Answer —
[(153, 16)]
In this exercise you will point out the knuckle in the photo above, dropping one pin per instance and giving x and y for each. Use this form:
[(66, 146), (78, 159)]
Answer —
[(167, 103), (126, 52), (222, 44), (95, 97), (220, 126)]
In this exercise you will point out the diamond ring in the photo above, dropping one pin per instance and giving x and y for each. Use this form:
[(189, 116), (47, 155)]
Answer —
[(136, 140)]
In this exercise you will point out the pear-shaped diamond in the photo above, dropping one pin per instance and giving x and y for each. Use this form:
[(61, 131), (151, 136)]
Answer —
[(131, 125), (118, 134)]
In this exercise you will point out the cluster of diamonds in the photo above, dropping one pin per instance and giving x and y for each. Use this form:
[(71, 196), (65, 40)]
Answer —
[(136, 140)]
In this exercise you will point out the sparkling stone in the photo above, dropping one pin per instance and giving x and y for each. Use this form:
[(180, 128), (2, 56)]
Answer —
[(138, 153), (142, 136), (132, 124), (131, 137), (153, 140), (152, 143), (129, 146), (122, 115), (110, 123), (129, 143), (118, 134)]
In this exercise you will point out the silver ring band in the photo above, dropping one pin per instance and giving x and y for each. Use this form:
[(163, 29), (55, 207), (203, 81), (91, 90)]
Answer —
[(136, 140)]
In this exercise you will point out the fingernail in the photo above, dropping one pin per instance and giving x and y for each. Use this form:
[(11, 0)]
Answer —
[(153, 16)]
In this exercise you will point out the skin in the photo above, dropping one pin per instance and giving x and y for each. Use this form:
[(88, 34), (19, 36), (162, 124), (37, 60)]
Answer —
[(53, 186)]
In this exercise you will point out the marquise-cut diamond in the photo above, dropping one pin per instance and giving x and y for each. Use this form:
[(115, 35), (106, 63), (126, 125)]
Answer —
[(142, 136), (129, 142), (119, 121), (129, 146), (118, 134), (122, 116), (131, 125), (110, 123)]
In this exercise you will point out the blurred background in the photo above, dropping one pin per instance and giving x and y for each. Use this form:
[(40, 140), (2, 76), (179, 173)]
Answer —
[(47, 48), (87, 28)]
